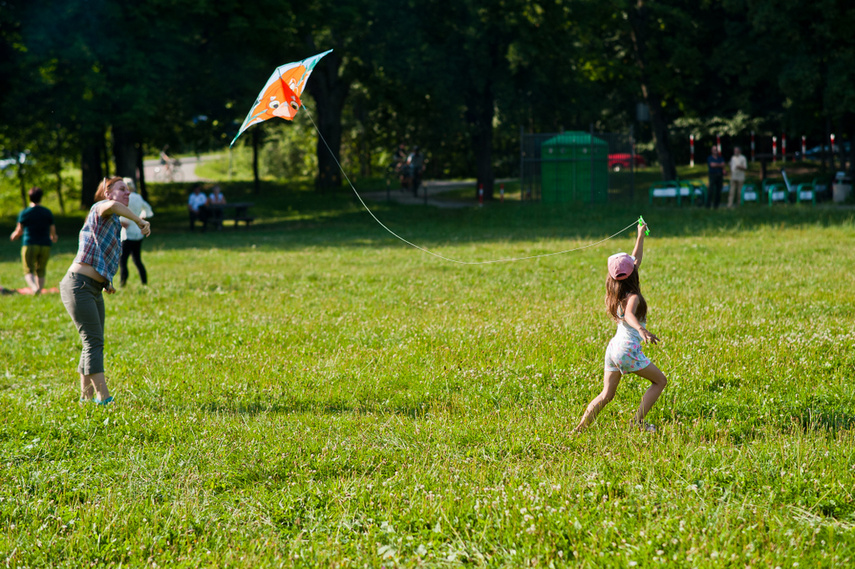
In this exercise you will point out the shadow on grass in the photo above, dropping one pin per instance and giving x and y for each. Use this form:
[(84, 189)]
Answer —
[(290, 217), (414, 410), (826, 420), (742, 423)]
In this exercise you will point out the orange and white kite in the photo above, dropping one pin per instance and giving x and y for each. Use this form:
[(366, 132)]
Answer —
[(280, 97)]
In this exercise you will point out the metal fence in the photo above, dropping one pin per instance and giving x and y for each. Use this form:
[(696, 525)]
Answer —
[(578, 166)]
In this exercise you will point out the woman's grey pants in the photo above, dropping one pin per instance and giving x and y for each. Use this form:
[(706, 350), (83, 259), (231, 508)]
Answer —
[(84, 302)]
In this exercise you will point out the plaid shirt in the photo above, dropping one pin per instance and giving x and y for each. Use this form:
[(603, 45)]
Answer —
[(99, 244)]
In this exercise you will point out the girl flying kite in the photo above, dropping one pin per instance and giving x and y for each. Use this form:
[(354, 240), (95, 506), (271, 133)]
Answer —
[(628, 308)]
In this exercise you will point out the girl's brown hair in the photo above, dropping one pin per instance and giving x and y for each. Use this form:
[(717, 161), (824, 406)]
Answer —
[(618, 291), (105, 185)]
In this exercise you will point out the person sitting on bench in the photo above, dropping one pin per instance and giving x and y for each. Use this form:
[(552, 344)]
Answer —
[(197, 206)]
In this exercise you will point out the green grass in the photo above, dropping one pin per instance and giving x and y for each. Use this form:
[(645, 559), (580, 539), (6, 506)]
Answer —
[(311, 392)]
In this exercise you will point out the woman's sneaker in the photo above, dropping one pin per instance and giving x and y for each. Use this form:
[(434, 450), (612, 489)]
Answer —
[(105, 402), (642, 426)]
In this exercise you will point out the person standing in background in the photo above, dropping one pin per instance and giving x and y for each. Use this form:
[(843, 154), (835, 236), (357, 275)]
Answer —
[(132, 237), (738, 166), (716, 167), (36, 225)]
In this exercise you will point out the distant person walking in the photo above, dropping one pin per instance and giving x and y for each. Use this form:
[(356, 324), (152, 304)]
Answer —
[(416, 166), (132, 237), (738, 166), (92, 272), (36, 225), (716, 168)]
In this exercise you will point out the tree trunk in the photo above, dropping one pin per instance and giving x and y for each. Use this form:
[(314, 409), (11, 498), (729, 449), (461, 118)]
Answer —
[(90, 166), (124, 153), (329, 91), (23, 182), (483, 142), (59, 191), (255, 141), (660, 136), (59, 169), (849, 122), (480, 109), (105, 154), (141, 171), (638, 31)]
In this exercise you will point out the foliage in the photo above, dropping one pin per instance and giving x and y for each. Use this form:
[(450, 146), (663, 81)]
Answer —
[(459, 79)]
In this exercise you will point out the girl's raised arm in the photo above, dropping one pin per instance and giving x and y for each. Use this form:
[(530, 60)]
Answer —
[(638, 250)]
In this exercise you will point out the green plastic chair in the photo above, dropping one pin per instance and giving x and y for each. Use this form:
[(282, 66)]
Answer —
[(806, 192), (664, 190), (749, 194)]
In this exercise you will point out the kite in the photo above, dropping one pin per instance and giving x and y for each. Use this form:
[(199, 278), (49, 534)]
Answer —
[(280, 96)]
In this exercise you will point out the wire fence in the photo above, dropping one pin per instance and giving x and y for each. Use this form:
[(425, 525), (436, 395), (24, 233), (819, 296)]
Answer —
[(578, 166)]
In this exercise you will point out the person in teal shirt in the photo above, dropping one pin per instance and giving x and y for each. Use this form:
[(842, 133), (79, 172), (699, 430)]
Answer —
[(36, 226)]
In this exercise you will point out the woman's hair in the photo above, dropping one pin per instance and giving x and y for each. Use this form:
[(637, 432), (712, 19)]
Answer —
[(35, 194), (105, 185), (617, 293)]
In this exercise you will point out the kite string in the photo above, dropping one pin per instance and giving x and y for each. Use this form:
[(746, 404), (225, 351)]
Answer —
[(428, 251)]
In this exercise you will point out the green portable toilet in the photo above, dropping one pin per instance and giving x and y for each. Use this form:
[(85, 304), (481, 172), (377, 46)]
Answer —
[(566, 168)]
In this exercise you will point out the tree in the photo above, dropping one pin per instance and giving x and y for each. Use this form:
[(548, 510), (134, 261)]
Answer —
[(812, 55)]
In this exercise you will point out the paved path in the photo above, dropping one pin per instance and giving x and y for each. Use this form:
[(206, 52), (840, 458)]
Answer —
[(188, 168), (433, 189)]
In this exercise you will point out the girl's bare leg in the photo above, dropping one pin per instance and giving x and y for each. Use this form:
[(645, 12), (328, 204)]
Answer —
[(611, 379), (87, 391), (658, 383), (94, 384)]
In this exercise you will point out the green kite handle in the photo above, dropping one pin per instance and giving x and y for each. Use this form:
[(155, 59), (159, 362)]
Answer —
[(642, 222)]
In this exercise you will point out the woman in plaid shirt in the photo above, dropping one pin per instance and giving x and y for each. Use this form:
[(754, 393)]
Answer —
[(92, 271)]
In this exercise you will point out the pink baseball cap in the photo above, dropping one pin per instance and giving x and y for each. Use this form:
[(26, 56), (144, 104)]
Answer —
[(621, 266)]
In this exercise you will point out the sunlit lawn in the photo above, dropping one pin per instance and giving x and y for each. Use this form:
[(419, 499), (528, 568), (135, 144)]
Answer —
[(312, 392)]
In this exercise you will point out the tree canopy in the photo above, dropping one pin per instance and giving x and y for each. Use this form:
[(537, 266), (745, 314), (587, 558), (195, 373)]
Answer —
[(97, 82)]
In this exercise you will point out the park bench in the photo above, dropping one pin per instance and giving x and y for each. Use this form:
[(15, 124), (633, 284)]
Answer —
[(678, 189), (237, 212), (806, 193), (664, 190), (749, 194), (776, 192)]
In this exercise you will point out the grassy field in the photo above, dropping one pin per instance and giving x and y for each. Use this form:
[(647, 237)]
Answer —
[(311, 392)]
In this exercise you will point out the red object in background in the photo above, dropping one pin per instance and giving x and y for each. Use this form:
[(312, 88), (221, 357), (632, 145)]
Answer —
[(691, 150), (784, 148), (618, 162), (480, 194), (804, 145), (502, 192), (774, 149), (752, 146)]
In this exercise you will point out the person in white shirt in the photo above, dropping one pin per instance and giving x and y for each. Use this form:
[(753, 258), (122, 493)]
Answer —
[(738, 166), (216, 201), (197, 205), (132, 237)]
